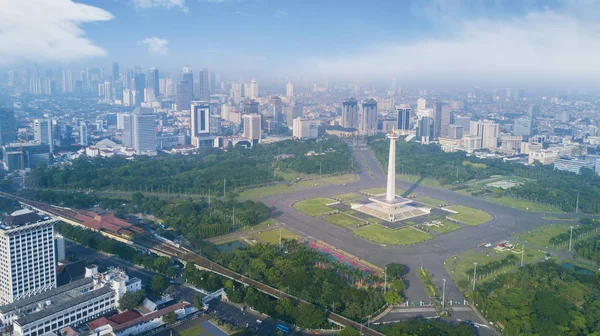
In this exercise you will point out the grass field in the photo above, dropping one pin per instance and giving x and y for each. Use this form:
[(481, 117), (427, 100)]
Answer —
[(430, 201), (341, 179), (426, 182), (348, 197), (309, 184), (374, 191), (192, 331), (523, 205), (341, 219), (561, 219), (261, 192), (448, 227), (288, 175), (470, 216), (383, 235), (272, 236), (314, 206), (541, 235)]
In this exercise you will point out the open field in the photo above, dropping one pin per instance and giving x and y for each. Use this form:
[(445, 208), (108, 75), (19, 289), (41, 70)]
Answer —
[(448, 227), (541, 235), (261, 192), (272, 236), (288, 175), (383, 235), (309, 184), (314, 206), (429, 201), (374, 191), (561, 219), (426, 182), (341, 219), (341, 179), (470, 216), (192, 331), (523, 204), (348, 197)]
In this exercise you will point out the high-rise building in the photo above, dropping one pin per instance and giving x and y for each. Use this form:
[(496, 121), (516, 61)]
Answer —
[(42, 132), (421, 104), (368, 117), (153, 81), (289, 90), (143, 131), (488, 131), (534, 112), (252, 126), (204, 91), (183, 97), (67, 81), (446, 120), (465, 122), (107, 91), (83, 134), (275, 108), (436, 116), (293, 112), (350, 113), (200, 118), (523, 127), (127, 98), (188, 76), (425, 129), (115, 72), (301, 128), (250, 106), (455, 132), (170, 88), (8, 126), (403, 118), (149, 96), (253, 89), (27, 257), (127, 122), (119, 91), (139, 82), (236, 92)]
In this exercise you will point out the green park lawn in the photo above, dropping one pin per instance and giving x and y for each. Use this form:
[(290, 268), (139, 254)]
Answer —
[(430, 201), (341, 219), (403, 236), (448, 227), (341, 179), (426, 182), (272, 236), (348, 197), (314, 206), (192, 331), (470, 216), (374, 191), (309, 184), (261, 192), (540, 236), (523, 204)]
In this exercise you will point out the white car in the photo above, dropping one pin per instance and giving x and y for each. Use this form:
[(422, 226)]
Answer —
[(258, 321)]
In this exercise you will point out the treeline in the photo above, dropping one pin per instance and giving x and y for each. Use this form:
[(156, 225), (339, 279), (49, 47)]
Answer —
[(212, 170), (587, 228), (492, 267), (423, 327), (549, 187), (542, 299)]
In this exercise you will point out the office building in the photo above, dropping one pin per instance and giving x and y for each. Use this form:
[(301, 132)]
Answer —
[(425, 129), (275, 108), (127, 97), (421, 103), (573, 165), (107, 91), (139, 86), (350, 113), (455, 132), (42, 132), (289, 90), (143, 131), (153, 81), (252, 126), (301, 128), (83, 134), (446, 120), (200, 118), (368, 117), (253, 89), (471, 143), (115, 72), (188, 77), (250, 106), (149, 96), (204, 85), (33, 154), (488, 131), (465, 122), (236, 92), (403, 113), (8, 126), (184, 97), (27, 256), (293, 112), (441, 119), (523, 127), (534, 112)]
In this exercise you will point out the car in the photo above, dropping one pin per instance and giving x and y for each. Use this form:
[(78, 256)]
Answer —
[(258, 321)]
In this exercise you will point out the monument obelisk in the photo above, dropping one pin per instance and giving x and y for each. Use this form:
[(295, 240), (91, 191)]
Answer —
[(390, 195)]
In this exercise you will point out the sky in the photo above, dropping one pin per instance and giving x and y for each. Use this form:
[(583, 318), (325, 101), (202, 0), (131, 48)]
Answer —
[(446, 41)]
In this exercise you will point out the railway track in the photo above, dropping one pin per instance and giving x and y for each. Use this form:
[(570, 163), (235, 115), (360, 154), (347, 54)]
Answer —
[(153, 244)]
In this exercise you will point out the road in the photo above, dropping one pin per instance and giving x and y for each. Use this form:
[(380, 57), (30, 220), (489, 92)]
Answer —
[(430, 254)]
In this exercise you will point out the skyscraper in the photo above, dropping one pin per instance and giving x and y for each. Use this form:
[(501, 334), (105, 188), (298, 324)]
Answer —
[(42, 132), (289, 90), (445, 120), (115, 72), (534, 112), (421, 103), (153, 81), (350, 113), (523, 127), (455, 132), (140, 85), (488, 131), (8, 126), (183, 96), (188, 76), (403, 118), (107, 91), (204, 85), (119, 91), (425, 129), (27, 257), (236, 92), (368, 117), (441, 120), (126, 123), (200, 118), (252, 123), (253, 89), (143, 131), (83, 134)]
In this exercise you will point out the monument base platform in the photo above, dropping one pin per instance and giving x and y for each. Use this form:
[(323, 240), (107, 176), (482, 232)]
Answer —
[(396, 210)]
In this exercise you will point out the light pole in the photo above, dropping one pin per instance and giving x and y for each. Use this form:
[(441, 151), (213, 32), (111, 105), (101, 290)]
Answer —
[(444, 294), (385, 279), (474, 274), (571, 239)]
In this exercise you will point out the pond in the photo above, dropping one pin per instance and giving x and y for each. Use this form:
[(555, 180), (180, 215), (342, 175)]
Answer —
[(228, 247), (576, 269)]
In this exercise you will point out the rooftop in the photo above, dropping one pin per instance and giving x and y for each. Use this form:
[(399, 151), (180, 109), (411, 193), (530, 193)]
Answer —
[(56, 292)]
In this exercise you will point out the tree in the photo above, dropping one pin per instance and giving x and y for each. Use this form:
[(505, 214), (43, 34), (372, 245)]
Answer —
[(171, 291), (169, 318), (398, 285), (131, 299), (395, 270), (392, 298), (198, 301), (158, 283), (310, 317), (349, 331)]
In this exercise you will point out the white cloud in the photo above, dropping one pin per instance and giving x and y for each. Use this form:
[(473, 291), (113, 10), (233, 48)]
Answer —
[(168, 4), (537, 46), (156, 46), (47, 31), (280, 14)]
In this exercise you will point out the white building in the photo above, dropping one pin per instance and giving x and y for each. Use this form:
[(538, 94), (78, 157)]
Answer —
[(127, 98), (149, 95), (83, 134), (27, 256), (253, 89), (289, 90), (488, 131), (200, 118), (42, 132), (368, 117), (301, 128), (107, 91), (421, 103), (252, 126), (143, 132)]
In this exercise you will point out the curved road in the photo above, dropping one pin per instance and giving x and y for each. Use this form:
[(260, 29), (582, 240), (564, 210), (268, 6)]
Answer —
[(430, 254)]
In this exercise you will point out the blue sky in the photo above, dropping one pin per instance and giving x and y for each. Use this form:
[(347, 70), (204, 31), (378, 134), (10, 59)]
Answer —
[(350, 39)]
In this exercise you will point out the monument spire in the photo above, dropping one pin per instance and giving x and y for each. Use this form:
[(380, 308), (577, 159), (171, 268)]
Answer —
[(390, 195)]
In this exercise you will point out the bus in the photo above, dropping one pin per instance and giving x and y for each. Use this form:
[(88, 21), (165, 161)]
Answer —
[(283, 328)]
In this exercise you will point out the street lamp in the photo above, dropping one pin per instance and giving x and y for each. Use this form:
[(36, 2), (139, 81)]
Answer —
[(444, 294), (474, 274)]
